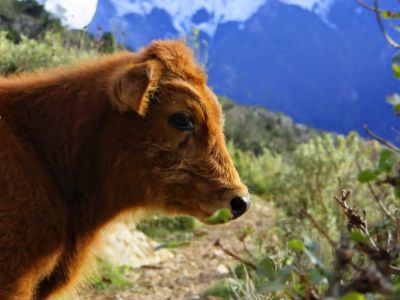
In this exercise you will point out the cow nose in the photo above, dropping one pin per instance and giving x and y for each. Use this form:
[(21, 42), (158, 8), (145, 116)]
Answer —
[(239, 205)]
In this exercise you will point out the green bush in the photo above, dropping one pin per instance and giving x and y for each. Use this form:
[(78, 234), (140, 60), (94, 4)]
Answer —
[(7, 8), (109, 276), (222, 290), (172, 231), (31, 54), (300, 260), (258, 172), (320, 169), (253, 128)]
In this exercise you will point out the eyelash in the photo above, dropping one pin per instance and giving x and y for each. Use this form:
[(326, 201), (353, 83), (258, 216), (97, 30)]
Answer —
[(182, 121)]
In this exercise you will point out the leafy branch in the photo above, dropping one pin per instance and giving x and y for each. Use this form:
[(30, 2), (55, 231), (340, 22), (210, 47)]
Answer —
[(379, 14)]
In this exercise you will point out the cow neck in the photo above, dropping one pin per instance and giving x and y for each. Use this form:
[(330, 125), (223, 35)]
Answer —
[(62, 117)]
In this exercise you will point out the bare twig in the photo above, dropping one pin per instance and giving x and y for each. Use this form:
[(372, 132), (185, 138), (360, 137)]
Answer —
[(381, 140), (318, 226), (395, 245), (365, 5), (376, 197), (371, 280), (218, 244), (309, 291), (394, 270), (387, 37), (249, 253), (377, 11), (391, 180), (343, 256), (353, 217), (379, 202)]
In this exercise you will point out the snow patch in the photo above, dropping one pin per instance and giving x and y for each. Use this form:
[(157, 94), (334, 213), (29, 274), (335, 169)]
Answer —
[(321, 7), (182, 11)]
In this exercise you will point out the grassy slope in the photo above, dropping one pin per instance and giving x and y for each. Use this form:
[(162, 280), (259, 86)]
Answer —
[(253, 128)]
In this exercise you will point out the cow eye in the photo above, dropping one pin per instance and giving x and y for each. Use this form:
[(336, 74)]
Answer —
[(182, 121)]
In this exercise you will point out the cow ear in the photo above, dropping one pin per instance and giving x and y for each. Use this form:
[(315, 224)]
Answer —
[(131, 86)]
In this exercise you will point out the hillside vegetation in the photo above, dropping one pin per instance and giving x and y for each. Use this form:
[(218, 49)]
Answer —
[(296, 168), (253, 128), (26, 17)]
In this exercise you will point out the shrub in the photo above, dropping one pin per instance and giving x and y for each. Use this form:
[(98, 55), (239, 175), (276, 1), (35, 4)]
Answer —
[(329, 248), (109, 276), (172, 232), (319, 169), (253, 128), (31, 54), (258, 171)]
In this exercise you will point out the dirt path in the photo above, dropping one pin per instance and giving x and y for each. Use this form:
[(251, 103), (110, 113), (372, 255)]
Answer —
[(195, 268)]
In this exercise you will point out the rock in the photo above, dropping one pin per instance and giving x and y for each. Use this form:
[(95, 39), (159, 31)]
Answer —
[(218, 253), (125, 246), (222, 270)]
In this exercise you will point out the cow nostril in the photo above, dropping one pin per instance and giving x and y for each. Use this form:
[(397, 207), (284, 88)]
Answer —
[(239, 206)]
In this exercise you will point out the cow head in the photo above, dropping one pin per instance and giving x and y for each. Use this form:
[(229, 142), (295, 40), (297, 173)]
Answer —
[(185, 167)]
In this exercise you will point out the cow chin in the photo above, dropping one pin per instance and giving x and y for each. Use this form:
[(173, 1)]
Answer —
[(195, 208)]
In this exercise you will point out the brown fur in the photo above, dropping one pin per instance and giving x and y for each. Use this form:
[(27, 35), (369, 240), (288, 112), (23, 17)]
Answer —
[(81, 145)]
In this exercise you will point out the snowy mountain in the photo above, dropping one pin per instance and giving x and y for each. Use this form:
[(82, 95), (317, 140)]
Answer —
[(183, 13), (78, 14), (323, 62)]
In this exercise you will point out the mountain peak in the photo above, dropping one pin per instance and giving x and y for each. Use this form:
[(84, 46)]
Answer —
[(216, 11), (182, 12), (77, 14), (320, 7)]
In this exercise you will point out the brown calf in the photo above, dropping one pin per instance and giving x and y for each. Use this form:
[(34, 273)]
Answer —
[(80, 146)]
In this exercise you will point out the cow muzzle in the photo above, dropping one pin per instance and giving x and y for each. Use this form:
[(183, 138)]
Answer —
[(233, 207), (239, 205)]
